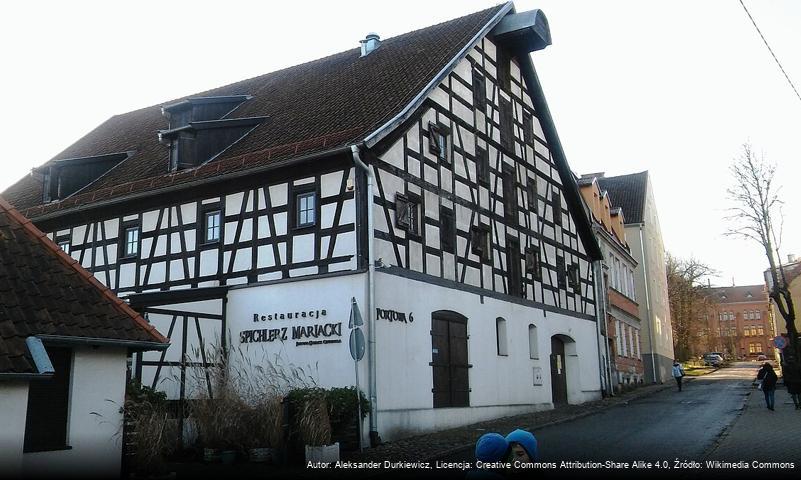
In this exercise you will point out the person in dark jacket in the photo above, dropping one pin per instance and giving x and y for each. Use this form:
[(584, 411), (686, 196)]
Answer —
[(769, 378)]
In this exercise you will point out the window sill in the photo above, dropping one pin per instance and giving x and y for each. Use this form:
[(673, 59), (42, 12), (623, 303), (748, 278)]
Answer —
[(48, 449)]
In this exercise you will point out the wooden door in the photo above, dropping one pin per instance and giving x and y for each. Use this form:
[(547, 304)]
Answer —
[(449, 364), (558, 373)]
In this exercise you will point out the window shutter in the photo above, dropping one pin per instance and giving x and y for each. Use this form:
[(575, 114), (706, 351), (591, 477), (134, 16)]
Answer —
[(433, 143), (482, 166), (402, 216)]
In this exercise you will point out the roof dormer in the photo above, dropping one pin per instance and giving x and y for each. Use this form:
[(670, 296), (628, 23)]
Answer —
[(199, 132), (200, 109), (62, 178)]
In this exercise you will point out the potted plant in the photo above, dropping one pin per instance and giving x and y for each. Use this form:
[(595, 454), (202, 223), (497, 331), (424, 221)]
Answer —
[(265, 421), (343, 411), (204, 415), (314, 426), (152, 434)]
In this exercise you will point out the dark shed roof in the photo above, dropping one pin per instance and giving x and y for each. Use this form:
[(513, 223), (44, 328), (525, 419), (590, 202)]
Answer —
[(313, 107), (43, 291), (627, 192)]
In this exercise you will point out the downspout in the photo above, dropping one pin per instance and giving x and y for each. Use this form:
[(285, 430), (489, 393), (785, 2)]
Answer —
[(600, 314), (648, 307), (370, 291)]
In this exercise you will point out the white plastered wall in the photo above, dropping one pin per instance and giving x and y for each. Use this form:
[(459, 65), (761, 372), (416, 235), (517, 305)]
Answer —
[(500, 385), (13, 407)]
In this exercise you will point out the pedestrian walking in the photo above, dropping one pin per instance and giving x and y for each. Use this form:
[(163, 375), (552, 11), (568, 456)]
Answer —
[(768, 384), (792, 380), (522, 446), (678, 372)]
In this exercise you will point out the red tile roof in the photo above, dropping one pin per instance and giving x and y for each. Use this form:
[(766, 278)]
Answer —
[(317, 106), (44, 291), (740, 294)]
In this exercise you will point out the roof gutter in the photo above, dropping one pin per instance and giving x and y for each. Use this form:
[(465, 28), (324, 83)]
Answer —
[(41, 360), (62, 340), (188, 185), (404, 114)]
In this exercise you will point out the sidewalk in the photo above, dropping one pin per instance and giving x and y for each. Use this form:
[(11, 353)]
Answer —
[(762, 435), (435, 445)]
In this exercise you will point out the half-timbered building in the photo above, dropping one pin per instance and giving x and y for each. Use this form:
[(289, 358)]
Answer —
[(418, 178)]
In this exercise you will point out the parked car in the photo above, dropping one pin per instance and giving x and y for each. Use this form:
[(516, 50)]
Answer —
[(762, 358), (713, 359)]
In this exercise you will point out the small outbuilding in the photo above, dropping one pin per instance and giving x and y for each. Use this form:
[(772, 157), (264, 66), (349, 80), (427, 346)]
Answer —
[(64, 344)]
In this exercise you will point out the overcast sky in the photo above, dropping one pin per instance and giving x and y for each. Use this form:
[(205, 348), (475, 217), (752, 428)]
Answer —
[(673, 87)]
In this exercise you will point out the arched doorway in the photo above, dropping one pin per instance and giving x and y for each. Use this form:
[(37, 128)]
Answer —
[(451, 385), (558, 371)]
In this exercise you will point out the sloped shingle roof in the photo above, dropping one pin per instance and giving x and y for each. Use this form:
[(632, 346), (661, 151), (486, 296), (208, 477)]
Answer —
[(627, 192), (43, 291), (313, 107)]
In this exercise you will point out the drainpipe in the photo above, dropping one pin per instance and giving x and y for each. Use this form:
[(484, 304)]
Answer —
[(370, 308), (648, 307), (600, 314)]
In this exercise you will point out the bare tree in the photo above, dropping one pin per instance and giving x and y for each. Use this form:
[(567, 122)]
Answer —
[(689, 301), (754, 217)]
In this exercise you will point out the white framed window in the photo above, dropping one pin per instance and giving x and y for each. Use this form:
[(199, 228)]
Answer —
[(624, 340), (65, 245), (305, 205), (131, 239), (500, 337), (212, 226)]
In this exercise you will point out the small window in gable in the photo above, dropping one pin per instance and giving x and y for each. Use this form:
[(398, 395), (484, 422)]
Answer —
[(504, 69), (507, 124), (438, 142), (573, 277), (482, 166), (556, 202), (407, 213), (533, 263), (447, 230), (509, 195), (528, 129), (212, 226), (533, 194), (502, 343), (479, 91), (561, 274), (480, 242)]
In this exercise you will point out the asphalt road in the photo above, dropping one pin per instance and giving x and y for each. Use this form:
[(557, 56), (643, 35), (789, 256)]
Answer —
[(668, 425)]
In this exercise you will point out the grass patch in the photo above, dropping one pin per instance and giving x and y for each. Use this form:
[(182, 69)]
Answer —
[(697, 371)]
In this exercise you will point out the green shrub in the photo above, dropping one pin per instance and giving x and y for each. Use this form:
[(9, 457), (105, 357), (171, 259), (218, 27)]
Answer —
[(341, 403)]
